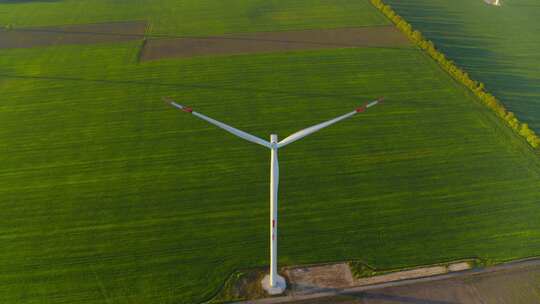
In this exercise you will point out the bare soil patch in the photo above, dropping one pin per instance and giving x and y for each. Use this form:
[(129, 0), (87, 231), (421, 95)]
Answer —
[(72, 34), (319, 278), (267, 42), (403, 275), (510, 286), (329, 277)]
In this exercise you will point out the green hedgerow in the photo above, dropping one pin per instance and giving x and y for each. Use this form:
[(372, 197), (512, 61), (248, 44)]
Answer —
[(458, 74)]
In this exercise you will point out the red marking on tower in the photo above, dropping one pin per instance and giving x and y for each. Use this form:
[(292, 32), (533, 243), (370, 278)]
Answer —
[(361, 109), (189, 110), (273, 237), (273, 223)]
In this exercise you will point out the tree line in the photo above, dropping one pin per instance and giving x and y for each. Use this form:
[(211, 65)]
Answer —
[(458, 74)]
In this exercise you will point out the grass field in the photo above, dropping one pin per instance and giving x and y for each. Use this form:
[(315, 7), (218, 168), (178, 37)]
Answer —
[(109, 196), (108, 193), (196, 17), (113, 32), (497, 45)]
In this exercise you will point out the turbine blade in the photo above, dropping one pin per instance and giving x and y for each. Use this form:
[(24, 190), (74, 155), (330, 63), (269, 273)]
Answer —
[(232, 130), (305, 132), (375, 102)]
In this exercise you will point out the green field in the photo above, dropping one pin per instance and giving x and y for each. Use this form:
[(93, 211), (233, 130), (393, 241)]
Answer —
[(110, 196), (497, 45), (196, 17)]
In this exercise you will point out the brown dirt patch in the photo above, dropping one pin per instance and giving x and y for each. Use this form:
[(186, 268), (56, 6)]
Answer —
[(72, 34), (403, 275), (461, 266), (265, 42), (516, 286), (319, 278), (322, 278)]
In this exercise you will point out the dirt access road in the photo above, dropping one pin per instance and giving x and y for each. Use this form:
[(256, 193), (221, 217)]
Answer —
[(511, 283)]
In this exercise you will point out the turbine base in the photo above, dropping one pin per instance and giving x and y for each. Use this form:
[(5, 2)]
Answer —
[(280, 287)]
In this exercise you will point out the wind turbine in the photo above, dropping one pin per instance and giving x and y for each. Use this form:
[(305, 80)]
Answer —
[(273, 283)]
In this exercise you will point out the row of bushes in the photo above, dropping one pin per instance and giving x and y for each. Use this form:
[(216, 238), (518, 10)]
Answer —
[(458, 74)]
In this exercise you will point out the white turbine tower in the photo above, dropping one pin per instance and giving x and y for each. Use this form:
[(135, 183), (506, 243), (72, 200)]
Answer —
[(273, 283)]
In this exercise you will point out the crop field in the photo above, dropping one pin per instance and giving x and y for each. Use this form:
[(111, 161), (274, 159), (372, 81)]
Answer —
[(73, 34), (110, 196), (265, 42), (195, 17), (497, 45)]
